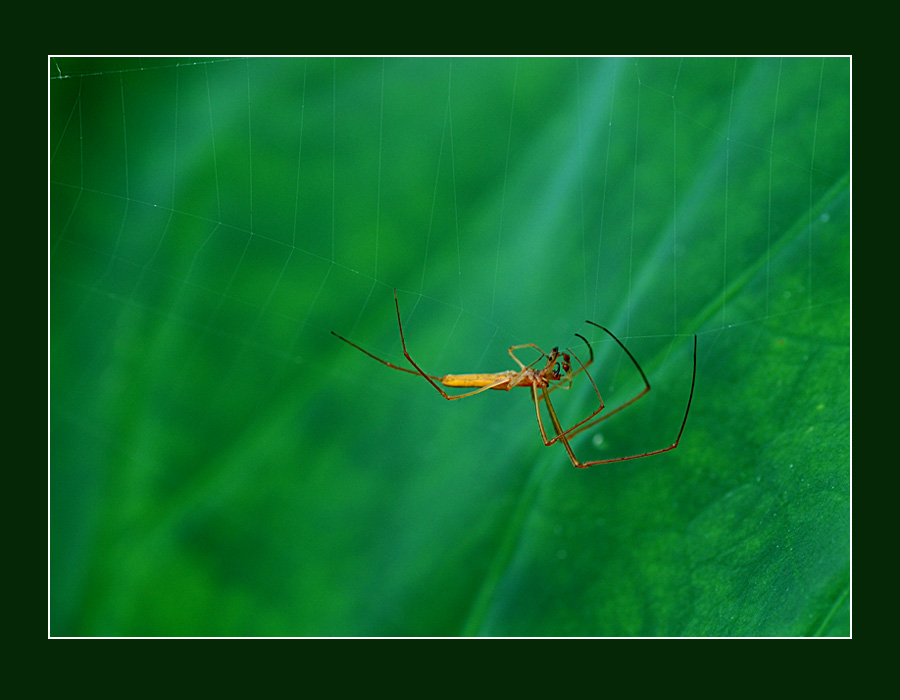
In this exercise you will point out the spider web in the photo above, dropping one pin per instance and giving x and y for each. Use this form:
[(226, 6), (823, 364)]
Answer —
[(212, 220)]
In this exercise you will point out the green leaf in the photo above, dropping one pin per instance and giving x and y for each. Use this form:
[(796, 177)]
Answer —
[(220, 464)]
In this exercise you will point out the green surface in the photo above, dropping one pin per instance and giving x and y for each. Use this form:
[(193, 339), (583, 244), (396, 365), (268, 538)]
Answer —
[(221, 465)]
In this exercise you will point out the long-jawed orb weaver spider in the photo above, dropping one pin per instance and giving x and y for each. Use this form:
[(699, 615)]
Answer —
[(557, 373)]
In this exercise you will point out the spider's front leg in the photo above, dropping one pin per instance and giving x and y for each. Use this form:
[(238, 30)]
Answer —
[(522, 365)]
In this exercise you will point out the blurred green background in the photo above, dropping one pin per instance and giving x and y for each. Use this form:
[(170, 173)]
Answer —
[(220, 464)]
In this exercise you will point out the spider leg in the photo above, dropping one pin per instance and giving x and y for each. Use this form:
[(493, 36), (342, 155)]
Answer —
[(584, 465), (571, 432), (375, 357), (584, 424), (527, 345), (545, 396), (433, 380)]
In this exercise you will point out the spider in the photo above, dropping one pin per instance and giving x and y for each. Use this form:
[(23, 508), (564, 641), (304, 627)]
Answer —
[(556, 373)]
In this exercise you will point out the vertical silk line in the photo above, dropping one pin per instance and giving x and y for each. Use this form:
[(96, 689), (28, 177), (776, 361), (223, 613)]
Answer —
[(512, 108), (380, 153)]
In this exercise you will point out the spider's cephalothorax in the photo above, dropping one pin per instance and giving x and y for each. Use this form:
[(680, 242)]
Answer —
[(560, 364)]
